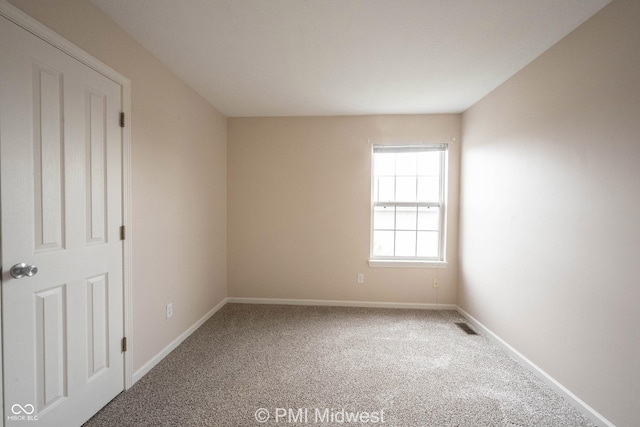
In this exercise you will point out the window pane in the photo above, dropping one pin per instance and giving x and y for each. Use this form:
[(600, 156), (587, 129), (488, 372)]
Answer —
[(384, 191), (406, 189), (383, 218), (429, 189), (406, 243), (383, 243), (405, 218), (429, 163), (428, 219), (428, 244), (407, 176), (384, 164), (406, 164)]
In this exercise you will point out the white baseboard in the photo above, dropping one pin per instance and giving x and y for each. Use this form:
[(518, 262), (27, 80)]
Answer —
[(175, 343), (338, 303), (578, 403)]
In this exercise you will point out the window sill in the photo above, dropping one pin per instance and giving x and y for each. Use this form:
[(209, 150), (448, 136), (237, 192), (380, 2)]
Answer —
[(407, 263)]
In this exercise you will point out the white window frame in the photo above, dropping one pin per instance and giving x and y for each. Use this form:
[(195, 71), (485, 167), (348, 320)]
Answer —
[(403, 261)]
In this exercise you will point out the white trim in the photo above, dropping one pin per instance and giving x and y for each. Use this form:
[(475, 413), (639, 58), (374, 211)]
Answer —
[(175, 343), (25, 21), (410, 148), (407, 263), (441, 205), (337, 303), (444, 208), (371, 197), (127, 221), (39, 30), (574, 400)]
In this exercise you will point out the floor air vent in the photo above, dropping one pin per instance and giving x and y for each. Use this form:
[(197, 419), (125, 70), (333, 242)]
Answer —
[(466, 328)]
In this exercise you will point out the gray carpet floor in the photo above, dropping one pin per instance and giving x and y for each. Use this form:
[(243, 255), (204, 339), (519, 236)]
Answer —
[(295, 365)]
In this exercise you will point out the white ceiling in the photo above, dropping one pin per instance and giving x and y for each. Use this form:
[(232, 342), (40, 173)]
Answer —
[(343, 57)]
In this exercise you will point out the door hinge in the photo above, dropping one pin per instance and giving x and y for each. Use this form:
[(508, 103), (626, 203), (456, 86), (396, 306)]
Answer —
[(121, 120), (122, 232), (124, 344)]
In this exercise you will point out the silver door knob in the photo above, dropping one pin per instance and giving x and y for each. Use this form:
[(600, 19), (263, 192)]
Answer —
[(21, 270)]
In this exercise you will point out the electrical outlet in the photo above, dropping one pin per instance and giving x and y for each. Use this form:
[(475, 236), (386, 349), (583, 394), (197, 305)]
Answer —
[(436, 283), (360, 278), (169, 310)]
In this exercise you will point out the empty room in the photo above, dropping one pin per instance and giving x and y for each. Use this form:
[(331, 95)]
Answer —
[(320, 212)]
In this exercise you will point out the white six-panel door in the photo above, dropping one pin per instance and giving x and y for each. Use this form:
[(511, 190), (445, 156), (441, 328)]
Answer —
[(61, 209)]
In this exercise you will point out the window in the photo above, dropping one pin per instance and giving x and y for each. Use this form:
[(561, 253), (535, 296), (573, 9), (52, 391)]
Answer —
[(408, 204)]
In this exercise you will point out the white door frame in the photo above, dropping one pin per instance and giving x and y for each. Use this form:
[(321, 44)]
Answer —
[(31, 25)]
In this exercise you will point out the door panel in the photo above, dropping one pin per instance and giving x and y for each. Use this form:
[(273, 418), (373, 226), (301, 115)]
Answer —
[(97, 325), (96, 155), (48, 153), (61, 209), (51, 375)]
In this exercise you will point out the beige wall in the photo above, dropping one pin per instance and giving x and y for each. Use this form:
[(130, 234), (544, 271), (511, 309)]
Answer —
[(550, 205), (178, 177), (299, 202)]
